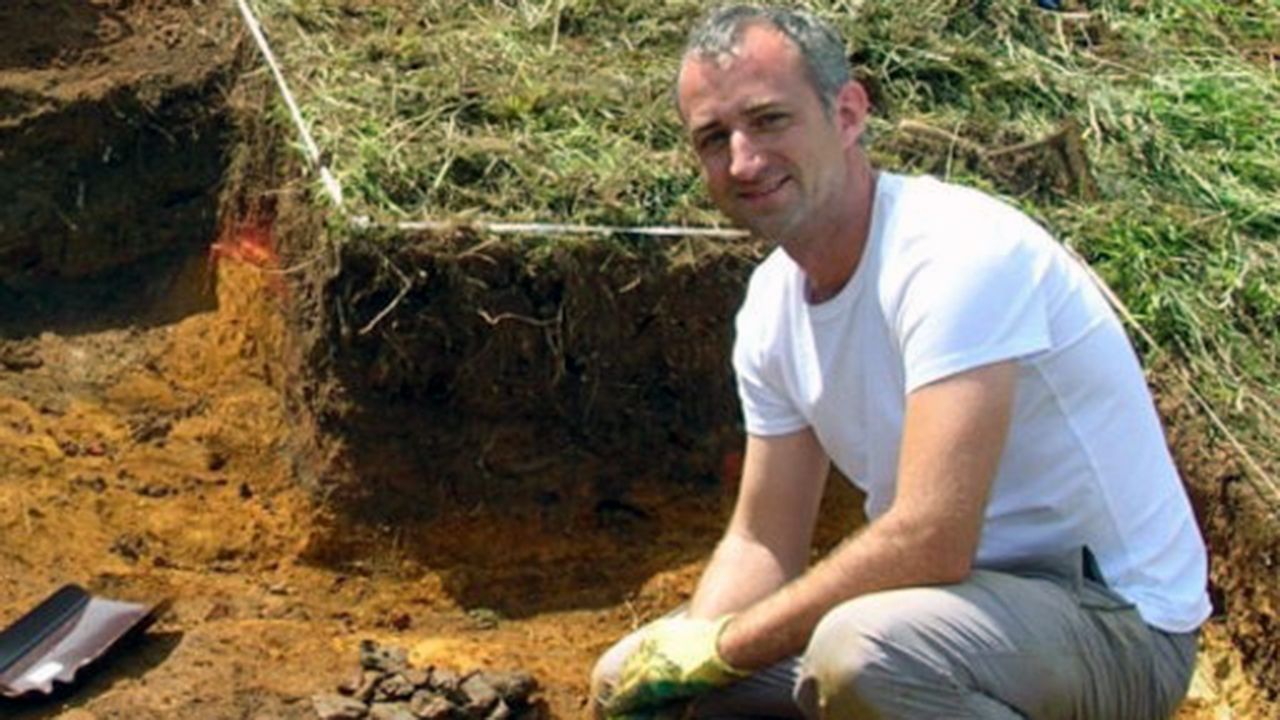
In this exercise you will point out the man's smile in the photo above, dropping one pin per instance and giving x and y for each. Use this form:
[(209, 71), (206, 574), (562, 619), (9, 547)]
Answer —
[(763, 191)]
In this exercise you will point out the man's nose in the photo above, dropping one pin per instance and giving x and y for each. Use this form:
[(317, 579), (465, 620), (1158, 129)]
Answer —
[(745, 158)]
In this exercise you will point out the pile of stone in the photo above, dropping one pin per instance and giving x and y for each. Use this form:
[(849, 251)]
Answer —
[(388, 688)]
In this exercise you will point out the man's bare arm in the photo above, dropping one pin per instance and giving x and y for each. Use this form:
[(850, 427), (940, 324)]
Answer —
[(768, 539), (953, 436)]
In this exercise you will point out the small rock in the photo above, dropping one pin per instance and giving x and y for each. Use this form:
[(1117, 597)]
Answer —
[(53, 406), (368, 685), (394, 687), (129, 547), (430, 706), (154, 490), (219, 611), (352, 684), (216, 460), (390, 711), (446, 681), (337, 707), (500, 711), (95, 483), (148, 429), (418, 677), (514, 687), (481, 697), (388, 660), (18, 356), (485, 618)]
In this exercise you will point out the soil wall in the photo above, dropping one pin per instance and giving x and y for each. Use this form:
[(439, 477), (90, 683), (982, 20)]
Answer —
[(455, 371), (113, 139), (452, 375)]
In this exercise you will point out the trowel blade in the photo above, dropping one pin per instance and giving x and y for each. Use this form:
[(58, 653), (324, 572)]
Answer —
[(62, 635)]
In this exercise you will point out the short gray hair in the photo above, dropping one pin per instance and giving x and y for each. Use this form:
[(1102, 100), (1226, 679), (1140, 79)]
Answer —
[(719, 32)]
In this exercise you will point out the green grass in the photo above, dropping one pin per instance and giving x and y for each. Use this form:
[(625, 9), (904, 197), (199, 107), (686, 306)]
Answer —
[(559, 111), (516, 111)]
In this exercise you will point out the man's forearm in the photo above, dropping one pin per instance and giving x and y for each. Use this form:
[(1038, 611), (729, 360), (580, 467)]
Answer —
[(740, 574), (887, 554), (953, 435)]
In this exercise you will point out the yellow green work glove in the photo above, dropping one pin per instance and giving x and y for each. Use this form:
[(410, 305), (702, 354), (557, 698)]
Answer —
[(676, 660)]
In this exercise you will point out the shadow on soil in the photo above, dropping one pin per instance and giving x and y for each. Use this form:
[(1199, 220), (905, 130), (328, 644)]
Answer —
[(524, 561), (157, 291), (129, 661)]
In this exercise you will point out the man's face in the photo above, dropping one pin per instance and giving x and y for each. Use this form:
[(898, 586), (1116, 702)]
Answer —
[(774, 160)]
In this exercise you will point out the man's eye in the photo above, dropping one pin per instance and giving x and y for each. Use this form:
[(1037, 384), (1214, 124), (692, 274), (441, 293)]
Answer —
[(771, 120), (712, 140)]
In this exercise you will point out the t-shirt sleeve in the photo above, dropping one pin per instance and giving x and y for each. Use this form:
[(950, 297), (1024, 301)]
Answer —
[(978, 302), (766, 409)]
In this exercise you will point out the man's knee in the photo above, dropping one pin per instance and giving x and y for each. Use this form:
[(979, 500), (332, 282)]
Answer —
[(862, 659), (844, 653)]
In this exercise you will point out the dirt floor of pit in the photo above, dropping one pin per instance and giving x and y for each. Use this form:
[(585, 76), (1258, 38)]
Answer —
[(150, 464)]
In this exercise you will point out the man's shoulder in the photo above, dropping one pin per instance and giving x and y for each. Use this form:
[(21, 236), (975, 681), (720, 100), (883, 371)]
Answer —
[(950, 241), (935, 221), (926, 204)]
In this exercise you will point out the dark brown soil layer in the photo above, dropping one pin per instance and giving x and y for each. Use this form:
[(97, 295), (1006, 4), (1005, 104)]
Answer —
[(113, 137), (449, 372)]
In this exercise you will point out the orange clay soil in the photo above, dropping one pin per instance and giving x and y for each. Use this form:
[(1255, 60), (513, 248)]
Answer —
[(150, 464)]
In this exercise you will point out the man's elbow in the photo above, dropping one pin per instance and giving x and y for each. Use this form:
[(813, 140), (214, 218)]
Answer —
[(944, 555), (951, 566)]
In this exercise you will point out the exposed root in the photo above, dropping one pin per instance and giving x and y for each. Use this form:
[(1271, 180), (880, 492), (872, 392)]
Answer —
[(1063, 145)]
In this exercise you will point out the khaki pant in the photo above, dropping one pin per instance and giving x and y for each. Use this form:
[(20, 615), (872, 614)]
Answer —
[(1041, 640)]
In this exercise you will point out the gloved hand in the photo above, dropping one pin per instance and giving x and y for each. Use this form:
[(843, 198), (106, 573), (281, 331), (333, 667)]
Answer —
[(676, 660)]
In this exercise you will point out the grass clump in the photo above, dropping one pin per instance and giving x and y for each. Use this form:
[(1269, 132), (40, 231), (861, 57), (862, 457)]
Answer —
[(1163, 170)]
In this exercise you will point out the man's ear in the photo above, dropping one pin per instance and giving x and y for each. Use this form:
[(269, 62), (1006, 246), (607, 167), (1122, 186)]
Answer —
[(851, 110)]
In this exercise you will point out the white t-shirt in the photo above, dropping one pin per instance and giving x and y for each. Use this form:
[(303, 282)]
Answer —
[(950, 280)]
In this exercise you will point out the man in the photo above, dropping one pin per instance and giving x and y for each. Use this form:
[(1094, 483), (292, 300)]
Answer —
[(1030, 550)]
